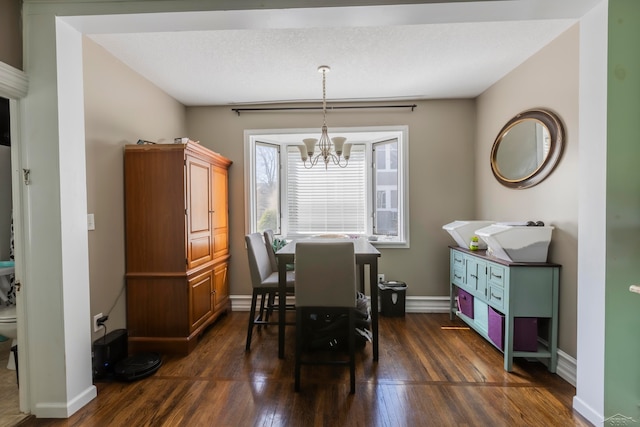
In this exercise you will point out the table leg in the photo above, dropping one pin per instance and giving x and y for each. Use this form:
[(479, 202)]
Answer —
[(282, 305), (361, 277), (373, 283)]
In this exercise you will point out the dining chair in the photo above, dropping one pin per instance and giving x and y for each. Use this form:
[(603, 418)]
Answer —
[(269, 240), (264, 281), (325, 300)]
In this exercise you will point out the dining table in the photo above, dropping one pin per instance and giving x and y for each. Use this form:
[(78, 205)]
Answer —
[(366, 255)]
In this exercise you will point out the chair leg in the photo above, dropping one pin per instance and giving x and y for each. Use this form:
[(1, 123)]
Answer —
[(252, 313), (272, 300), (262, 316)]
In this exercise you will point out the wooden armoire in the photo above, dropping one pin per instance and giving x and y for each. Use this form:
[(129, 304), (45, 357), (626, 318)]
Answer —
[(177, 244)]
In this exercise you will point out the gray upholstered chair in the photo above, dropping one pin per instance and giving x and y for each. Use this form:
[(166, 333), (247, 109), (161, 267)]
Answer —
[(264, 280), (325, 299), (268, 241), (269, 238)]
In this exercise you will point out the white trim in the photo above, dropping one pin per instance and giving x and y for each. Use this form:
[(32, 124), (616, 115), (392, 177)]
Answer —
[(566, 368), (412, 304), (61, 410), (362, 134), (13, 86), (20, 243), (13, 82), (587, 411)]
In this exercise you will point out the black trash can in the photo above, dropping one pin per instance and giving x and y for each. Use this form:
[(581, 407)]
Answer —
[(392, 298)]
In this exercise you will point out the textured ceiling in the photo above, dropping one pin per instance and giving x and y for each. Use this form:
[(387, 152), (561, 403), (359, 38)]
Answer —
[(375, 53)]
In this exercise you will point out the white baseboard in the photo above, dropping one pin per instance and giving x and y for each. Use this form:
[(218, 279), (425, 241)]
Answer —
[(566, 368), (65, 409), (588, 412), (412, 304)]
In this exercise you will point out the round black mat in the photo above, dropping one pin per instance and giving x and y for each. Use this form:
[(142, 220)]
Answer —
[(137, 366)]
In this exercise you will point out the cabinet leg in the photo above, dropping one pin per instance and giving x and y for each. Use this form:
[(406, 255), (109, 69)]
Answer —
[(452, 301)]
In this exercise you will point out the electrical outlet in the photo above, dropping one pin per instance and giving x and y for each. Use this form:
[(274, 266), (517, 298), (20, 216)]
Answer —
[(380, 278), (96, 327)]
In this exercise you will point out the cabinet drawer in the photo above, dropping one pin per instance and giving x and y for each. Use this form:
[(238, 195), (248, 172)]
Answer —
[(457, 275), (496, 275), (457, 258), (496, 296)]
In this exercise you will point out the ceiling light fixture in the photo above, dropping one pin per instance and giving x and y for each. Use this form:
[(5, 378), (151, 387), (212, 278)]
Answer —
[(341, 151)]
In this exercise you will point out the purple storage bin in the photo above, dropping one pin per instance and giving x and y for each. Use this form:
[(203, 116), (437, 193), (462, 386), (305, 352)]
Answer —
[(496, 328), (465, 303), (525, 334), (525, 331)]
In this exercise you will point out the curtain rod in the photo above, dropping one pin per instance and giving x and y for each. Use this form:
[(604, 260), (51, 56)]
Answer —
[(258, 109)]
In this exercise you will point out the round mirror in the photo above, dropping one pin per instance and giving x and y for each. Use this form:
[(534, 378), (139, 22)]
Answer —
[(527, 149)]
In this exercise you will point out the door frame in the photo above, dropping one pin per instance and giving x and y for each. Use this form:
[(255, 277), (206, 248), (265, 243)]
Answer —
[(13, 86)]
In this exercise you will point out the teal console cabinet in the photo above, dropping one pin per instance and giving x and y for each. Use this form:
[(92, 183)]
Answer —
[(514, 289)]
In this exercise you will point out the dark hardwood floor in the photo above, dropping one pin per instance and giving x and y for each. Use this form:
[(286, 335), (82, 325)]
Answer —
[(431, 372)]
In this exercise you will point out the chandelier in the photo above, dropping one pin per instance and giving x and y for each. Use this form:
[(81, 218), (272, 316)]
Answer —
[(341, 151)]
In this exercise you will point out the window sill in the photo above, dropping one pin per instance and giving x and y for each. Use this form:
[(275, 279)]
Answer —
[(389, 244)]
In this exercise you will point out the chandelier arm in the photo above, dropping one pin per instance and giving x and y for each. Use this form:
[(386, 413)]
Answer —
[(337, 160)]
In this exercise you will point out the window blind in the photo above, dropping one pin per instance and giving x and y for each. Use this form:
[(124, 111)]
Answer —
[(331, 200)]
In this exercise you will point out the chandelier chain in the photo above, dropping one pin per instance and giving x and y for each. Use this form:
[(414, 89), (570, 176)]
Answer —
[(324, 97)]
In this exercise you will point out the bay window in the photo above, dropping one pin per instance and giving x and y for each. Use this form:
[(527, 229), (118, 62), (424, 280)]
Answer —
[(366, 198)]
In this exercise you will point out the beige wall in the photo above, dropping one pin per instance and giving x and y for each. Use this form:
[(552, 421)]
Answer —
[(120, 108), (441, 166), (11, 33), (449, 174), (550, 80)]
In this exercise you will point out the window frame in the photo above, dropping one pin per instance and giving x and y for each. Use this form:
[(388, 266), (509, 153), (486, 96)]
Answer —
[(287, 137), (254, 200)]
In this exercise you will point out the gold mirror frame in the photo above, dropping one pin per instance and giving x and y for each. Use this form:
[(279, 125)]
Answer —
[(555, 130)]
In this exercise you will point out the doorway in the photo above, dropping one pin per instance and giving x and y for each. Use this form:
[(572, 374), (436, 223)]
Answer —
[(9, 391)]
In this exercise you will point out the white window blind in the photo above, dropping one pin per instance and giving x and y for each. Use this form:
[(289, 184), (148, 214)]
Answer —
[(331, 200)]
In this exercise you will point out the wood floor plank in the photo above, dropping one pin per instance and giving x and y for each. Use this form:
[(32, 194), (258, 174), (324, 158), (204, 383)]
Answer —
[(431, 372)]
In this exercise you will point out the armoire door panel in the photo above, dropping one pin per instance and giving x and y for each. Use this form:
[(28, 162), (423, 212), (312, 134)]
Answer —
[(221, 243), (199, 195), (199, 215), (221, 284), (221, 212), (200, 251), (200, 289)]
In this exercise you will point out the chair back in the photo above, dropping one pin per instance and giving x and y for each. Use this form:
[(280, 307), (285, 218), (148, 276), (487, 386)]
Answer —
[(259, 264), (268, 241), (325, 274)]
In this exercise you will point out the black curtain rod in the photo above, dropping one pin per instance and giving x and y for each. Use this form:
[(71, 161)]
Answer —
[(240, 110)]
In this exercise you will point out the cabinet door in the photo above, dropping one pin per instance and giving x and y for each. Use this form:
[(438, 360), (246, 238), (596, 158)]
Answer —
[(221, 285), (201, 290), (220, 212), (198, 212), (476, 275)]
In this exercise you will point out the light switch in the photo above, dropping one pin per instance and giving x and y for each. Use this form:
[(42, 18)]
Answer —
[(91, 222)]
